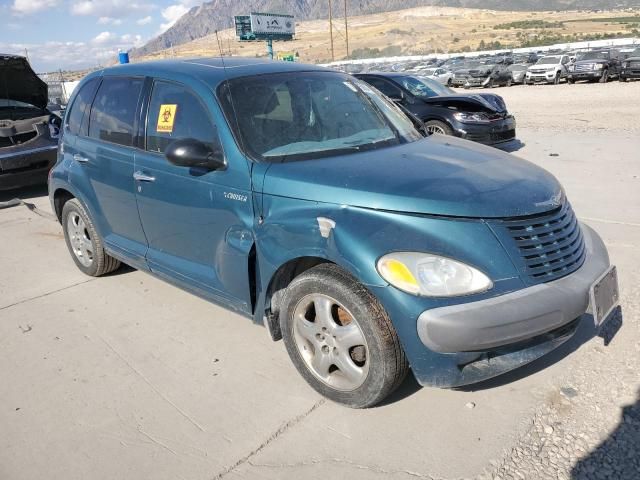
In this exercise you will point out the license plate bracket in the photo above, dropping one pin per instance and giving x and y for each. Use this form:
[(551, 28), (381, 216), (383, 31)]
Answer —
[(604, 296)]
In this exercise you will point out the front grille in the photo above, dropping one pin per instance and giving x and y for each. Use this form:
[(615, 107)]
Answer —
[(502, 136), (547, 246), (587, 67), (538, 72)]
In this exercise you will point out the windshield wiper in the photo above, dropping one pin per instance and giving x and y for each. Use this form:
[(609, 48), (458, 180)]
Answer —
[(290, 157)]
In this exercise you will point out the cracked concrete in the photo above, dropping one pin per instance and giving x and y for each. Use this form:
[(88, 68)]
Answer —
[(128, 377)]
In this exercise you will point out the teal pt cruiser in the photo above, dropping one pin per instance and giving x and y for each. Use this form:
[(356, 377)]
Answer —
[(305, 200)]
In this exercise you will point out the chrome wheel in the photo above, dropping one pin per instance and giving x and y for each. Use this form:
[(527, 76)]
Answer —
[(80, 239), (436, 129), (330, 342)]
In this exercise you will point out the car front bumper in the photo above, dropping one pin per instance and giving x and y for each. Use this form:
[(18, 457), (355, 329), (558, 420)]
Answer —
[(547, 77), (26, 167), (590, 75), (630, 73), (492, 133), (517, 316)]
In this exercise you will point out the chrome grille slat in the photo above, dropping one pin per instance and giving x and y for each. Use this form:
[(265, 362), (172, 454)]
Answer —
[(547, 246)]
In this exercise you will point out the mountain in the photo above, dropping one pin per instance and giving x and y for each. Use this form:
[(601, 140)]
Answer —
[(218, 14)]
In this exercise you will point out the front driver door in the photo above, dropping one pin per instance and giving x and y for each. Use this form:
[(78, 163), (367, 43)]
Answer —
[(197, 222)]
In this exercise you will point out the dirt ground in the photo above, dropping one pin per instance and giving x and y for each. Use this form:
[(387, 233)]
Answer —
[(128, 377), (414, 31)]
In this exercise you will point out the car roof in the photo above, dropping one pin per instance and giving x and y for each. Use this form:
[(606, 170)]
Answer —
[(208, 70), (386, 74)]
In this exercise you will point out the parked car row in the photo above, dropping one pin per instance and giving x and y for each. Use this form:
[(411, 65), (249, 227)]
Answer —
[(506, 69)]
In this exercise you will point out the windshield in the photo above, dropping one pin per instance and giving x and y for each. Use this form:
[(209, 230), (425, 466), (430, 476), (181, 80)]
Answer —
[(305, 115), (592, 55), (429, 72), (548, 61), (424, 87)]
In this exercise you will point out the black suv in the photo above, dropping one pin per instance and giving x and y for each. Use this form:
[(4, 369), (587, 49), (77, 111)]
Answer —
[(630, 68), (597, 65)]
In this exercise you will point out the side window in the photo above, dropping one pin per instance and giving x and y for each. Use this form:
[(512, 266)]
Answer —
[(80, 105), (385, 87), (176, 113), (114, 110)]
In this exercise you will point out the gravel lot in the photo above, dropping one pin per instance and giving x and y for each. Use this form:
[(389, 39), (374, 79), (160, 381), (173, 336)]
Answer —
[(128, 377), (583, 107)]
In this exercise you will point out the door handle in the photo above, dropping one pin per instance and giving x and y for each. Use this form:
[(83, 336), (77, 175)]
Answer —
[(79, 158), (141, 177)]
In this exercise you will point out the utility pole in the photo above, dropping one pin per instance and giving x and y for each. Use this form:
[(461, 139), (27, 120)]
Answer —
[(219, 44), (346, 28), (331, 31)]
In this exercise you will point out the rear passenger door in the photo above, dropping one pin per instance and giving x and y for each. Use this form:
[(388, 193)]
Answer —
[(105, 154), (197, 222)]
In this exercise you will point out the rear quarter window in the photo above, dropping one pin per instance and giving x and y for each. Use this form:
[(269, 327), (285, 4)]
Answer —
[(114, 110), (74, 117)]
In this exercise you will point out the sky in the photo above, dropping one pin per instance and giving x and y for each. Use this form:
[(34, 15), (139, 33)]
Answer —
[(78, 34)]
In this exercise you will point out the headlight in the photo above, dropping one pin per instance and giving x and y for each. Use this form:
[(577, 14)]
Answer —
[(470, 117), (598, 66), (431, 275), (571, 68)]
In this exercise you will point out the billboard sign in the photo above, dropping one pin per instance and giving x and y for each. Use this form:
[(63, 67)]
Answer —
[(273, 24)]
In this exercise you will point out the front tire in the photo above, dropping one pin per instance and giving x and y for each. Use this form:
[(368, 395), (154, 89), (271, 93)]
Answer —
[(436, 126), (605, 76), (556, 80), (340, 339), (83, 241)]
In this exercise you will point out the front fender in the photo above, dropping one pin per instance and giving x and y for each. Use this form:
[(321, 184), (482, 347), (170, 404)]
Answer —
[(290, 230)]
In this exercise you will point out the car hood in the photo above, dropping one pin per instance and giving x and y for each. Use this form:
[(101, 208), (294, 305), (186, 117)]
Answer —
[(438, 175), (20, 83), (486, 101)]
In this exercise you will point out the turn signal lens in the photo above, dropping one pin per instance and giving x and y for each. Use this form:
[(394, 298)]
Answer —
[(398, 274)]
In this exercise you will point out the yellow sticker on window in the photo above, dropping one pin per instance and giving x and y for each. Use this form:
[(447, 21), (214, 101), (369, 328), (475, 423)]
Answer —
[(166, 117)]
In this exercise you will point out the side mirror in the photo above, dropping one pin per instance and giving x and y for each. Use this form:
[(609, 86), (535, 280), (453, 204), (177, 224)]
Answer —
[(189, 152)]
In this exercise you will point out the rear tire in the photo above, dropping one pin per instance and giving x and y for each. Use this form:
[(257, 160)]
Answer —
[(340, 339), (83, 241), (556, 80), (438, 127)]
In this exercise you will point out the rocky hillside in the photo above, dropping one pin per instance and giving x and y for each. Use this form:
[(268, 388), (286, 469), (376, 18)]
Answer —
[(218, 14)]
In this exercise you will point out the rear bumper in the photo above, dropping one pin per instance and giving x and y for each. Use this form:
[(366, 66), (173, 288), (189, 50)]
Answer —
[(515, 317), (27, 167)]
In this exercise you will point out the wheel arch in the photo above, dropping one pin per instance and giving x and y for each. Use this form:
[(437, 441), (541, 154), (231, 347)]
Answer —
[(269, 308), (60, 197)]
